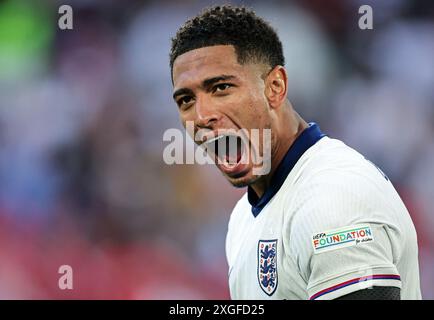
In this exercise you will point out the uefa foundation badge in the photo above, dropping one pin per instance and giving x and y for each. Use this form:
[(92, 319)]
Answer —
[(267, 265), (342, 238)]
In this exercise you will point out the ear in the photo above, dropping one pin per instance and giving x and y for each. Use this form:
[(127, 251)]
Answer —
[(276, 86)]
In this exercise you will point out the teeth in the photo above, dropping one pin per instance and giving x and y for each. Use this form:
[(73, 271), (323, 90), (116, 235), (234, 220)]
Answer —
[(214, 139)]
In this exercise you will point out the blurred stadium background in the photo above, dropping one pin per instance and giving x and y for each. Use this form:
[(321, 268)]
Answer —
[(82, 115)]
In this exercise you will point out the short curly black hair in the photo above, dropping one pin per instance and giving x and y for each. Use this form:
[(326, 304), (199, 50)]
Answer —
[(253, 38)]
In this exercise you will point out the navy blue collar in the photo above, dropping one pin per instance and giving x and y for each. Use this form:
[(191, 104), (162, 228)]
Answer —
[(305, 140)]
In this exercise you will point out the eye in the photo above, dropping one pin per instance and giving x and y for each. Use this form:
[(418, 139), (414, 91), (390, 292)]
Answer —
[(183, 101), (221, 87)]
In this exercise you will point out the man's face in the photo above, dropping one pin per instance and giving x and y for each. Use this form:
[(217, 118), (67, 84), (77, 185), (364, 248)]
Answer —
[(221, 96)]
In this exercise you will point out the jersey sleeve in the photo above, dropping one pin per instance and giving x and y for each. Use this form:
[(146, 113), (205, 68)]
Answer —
[(340, 236)]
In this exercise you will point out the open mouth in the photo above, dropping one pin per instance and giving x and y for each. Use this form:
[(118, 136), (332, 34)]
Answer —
[(227, 150)]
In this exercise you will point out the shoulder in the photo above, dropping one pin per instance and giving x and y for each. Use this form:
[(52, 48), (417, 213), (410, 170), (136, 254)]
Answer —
[(337, 188), (240, 207), (239, 213), (238, 219), (335, 174), (329, 161)]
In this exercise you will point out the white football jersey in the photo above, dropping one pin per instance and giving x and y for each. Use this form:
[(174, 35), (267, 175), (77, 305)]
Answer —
[(331, 223)]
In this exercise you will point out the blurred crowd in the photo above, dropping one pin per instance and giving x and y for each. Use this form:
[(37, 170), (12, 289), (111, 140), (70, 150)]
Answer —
[(83, 112)]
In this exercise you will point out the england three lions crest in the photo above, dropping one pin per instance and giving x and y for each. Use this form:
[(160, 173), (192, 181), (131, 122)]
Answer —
[(267, 265)]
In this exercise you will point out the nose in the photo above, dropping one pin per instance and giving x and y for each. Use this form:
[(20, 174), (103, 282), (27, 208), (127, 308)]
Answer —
[(206, 114)]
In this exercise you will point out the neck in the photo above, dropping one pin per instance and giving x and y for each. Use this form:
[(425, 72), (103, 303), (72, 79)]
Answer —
[(285, 137)]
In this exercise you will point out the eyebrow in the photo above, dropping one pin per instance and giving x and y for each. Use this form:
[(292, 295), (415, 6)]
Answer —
[(205, 84), (182, 91), (210, 81)]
